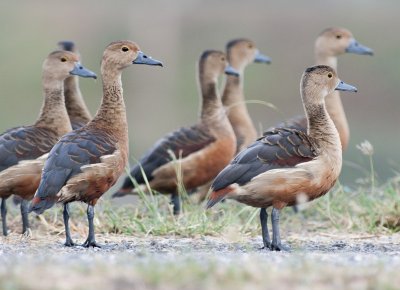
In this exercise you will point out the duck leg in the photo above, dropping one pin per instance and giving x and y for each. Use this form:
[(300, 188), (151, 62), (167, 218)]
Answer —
[(276, 238), (68, 240), (176, 202), (264, 228), (90, 241), (24, 207), (3, 215)]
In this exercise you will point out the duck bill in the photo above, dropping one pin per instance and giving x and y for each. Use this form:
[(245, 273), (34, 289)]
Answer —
[(230, 71), (358, 48), (342, 86), (144, 59), (261, 58), (80, 70)]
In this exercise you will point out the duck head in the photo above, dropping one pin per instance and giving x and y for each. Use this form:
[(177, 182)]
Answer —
[(319, 81), (214, 63), (121, 54), (336, 41), (242, 52), (62, 64)]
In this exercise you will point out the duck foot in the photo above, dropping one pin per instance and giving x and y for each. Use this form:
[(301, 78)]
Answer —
[(69, 243), (91, 243), (27, 233), (279, 248)]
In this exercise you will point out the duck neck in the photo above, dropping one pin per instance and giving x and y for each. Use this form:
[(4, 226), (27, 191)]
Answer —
[(211, 106), (320, 125), (76, 107), (333, 102), (53, 114), (111, 117), (234, 100)]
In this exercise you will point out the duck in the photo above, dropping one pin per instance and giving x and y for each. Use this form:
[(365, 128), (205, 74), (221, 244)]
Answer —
[(31, 142), (241, 52), (15, 178), (200, 151), (331, 43), (78, 112), (287, 164), (86, 162)]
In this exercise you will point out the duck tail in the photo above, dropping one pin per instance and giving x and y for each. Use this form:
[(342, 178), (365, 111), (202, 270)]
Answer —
[(217, 196)]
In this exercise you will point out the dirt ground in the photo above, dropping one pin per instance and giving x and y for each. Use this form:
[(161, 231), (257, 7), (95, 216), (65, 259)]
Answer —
[(324, 261)]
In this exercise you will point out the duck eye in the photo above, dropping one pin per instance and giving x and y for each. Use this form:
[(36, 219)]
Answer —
[(124, 49), (250, 45), (338, 36), (63, 59), (330, 75), (223, 58)]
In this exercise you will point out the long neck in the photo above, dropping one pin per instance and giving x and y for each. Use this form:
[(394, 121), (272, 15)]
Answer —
[(211, 106), (334, 104), (234, 100), (111, 116), (320, 125), (76, 107), (53, 114)]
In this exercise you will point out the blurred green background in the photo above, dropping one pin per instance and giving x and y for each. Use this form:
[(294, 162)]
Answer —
[(176, 32)]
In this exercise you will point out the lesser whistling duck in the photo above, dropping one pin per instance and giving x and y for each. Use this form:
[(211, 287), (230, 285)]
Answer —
[(241, 52), (16, 177), (85, 163), (31, 142), (286, 163), (331, 43), (78, 112), (205, 148)]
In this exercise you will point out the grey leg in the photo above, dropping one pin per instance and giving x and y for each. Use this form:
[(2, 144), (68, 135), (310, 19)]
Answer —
[(175, 200), (276, 238), (90, 241), (24, 214), (3, 215), (68, 239), (264, 228)]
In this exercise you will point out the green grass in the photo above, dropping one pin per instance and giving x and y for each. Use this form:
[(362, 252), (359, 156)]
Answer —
[(370, 208), (360, 210)]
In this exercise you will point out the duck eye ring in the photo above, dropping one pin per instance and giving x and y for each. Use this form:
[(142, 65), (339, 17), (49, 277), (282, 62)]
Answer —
[(125, 49), (330, 75), (63, 59)]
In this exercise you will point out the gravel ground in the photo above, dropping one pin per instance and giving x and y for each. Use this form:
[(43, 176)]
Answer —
[(327, 261)]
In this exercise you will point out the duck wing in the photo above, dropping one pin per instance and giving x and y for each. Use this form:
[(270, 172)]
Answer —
[(298, 123), (180, 143), (23, 143), (66, 159), (278, 148)]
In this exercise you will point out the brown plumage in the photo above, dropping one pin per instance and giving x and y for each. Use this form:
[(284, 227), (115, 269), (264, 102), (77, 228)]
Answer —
[(85, 163), (241, 53), (202, 150), (78, 113), (286, 163), (31, 142), (330, 44), (23, 179)]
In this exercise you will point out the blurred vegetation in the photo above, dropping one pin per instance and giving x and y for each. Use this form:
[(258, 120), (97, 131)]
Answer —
[(160, 100)]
